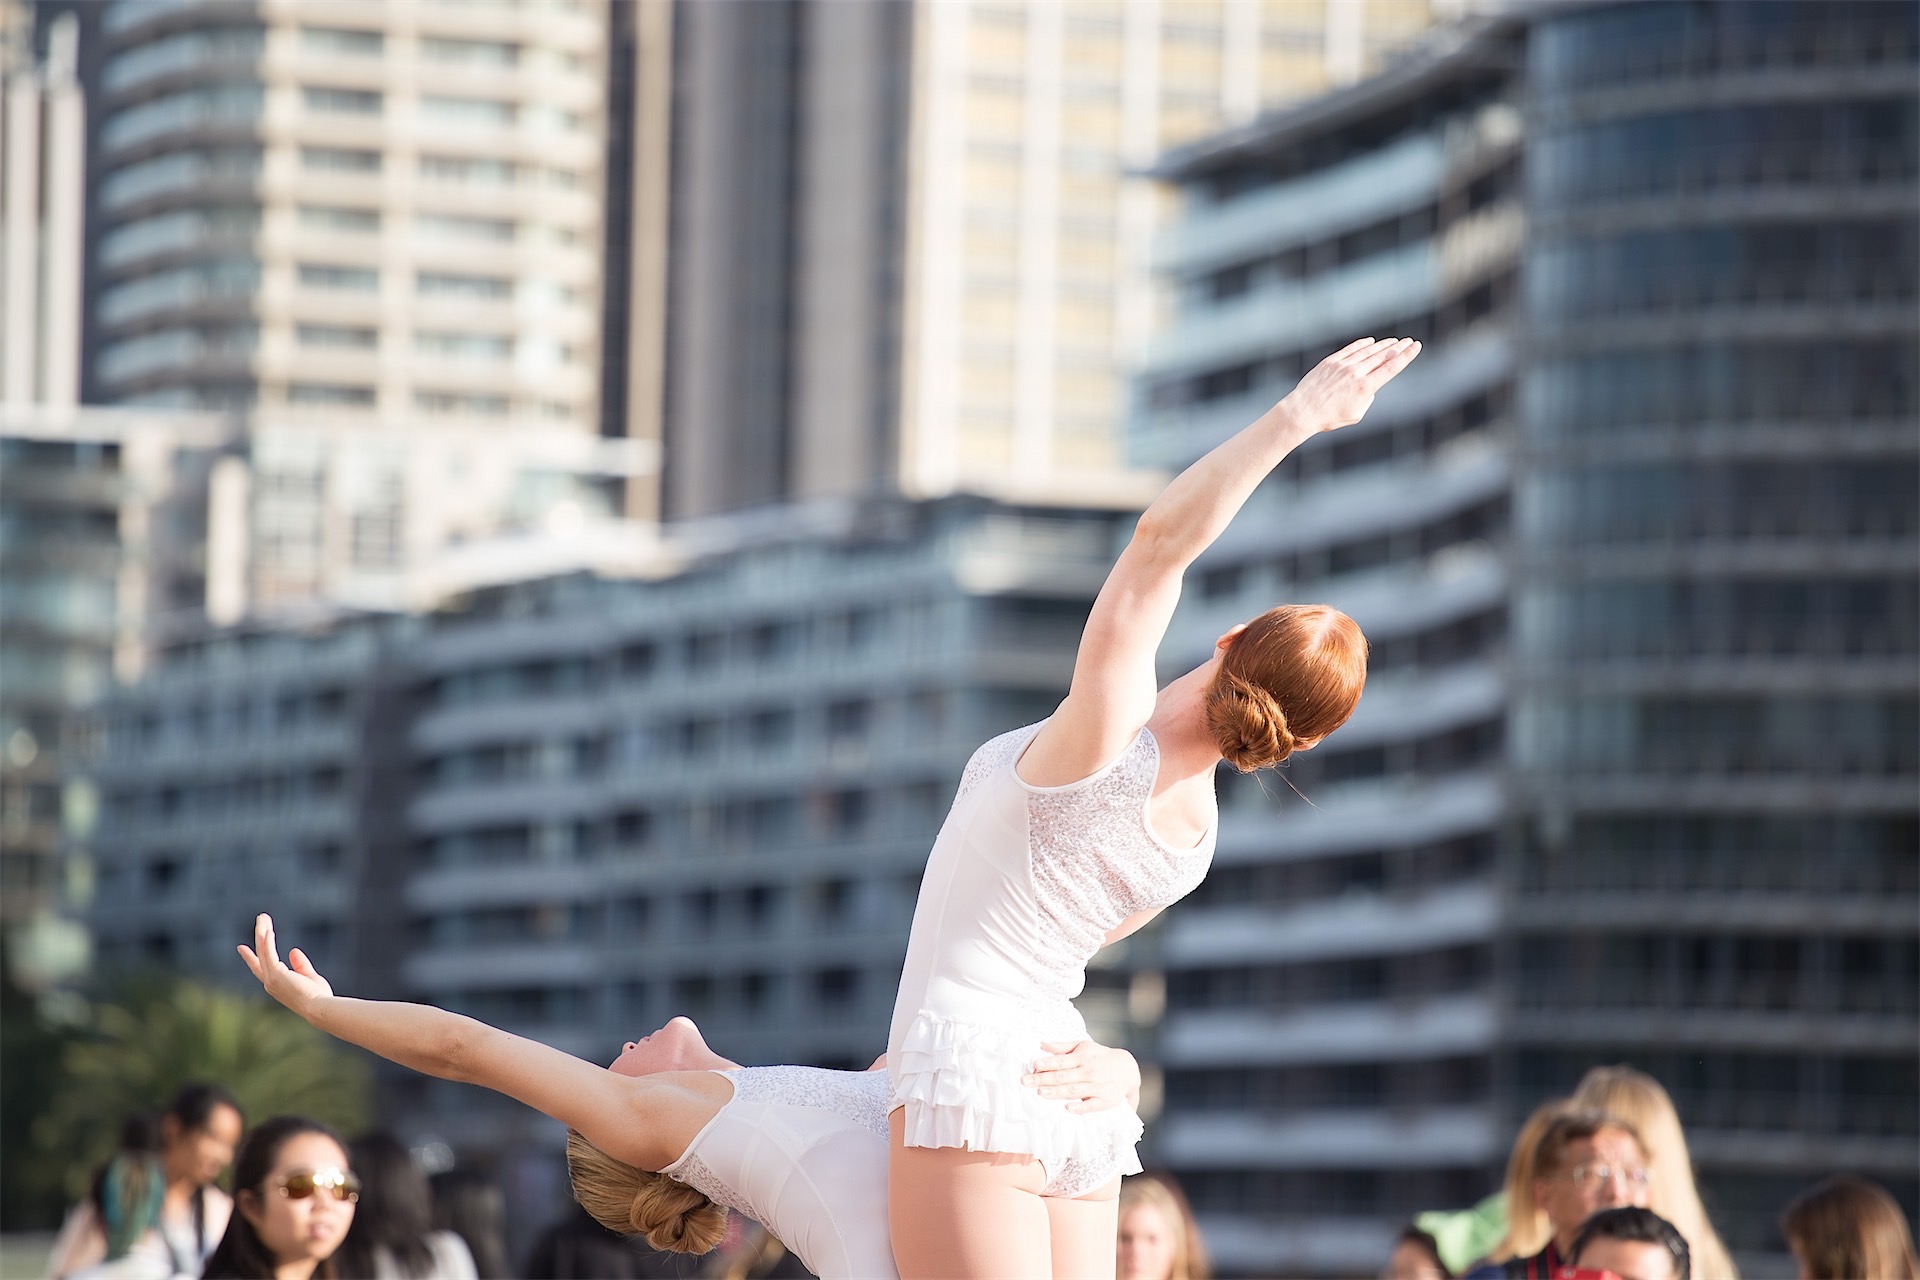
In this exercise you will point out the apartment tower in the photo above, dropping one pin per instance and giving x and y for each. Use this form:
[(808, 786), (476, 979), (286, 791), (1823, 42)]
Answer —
[(349, 212), (910, 245)]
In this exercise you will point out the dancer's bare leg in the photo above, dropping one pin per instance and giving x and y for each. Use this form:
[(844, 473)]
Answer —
[(1083, 1232), (956, 1213)]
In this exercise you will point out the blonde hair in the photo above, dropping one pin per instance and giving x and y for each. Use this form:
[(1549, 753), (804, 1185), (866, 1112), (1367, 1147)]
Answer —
[(1849, 1227), (1527, 1227), (1157, 1192), (1292, 675), (671, 1215), (1639, 1099)]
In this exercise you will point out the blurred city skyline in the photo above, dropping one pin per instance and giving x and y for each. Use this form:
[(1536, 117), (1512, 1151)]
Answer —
[(545, 497)]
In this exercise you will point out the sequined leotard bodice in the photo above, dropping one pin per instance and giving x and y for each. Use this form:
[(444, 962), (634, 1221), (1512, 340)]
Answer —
[(1022, 887)]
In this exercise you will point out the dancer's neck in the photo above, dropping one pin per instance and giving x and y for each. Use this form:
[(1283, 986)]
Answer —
[(1179, 725)]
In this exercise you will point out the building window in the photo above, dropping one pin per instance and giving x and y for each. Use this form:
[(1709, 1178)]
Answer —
[(356, 102), (327, 217), (348, 279), (446, 284), (469, 172), (481, 113), (360, 44), (339, 160), (461, 345), (339, 337), (469, 53), (434, 226), (329, 393), (454, 402)]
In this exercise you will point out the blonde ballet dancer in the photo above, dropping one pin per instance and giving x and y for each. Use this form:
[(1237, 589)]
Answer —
[(662, 1143), (1072, 833)]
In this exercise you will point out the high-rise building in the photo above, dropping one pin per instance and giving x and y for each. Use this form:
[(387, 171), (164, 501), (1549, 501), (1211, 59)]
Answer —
[(1716, 749), (1636, 783), (1329, 1032), (252, 769), (103, 528), (909, 249), (42, 207), (339, 211)]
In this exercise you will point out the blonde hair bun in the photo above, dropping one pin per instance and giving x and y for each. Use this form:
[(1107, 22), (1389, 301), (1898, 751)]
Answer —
[(633, 1202)]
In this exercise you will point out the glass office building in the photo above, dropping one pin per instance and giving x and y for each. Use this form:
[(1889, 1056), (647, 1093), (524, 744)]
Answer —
[(1716, 727)]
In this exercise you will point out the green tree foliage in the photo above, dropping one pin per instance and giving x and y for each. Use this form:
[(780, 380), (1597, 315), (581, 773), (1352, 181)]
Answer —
[(140, 1049)]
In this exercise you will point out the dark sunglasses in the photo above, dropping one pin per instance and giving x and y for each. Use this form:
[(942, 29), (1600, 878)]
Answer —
[(304, 1182)]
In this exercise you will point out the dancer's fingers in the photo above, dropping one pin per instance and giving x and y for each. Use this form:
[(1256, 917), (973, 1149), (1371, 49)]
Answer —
[(263, 940), (1392, 363), (302, 965), (252, 960)]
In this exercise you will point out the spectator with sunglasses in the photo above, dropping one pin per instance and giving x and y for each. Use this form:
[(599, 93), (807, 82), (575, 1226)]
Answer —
[(1583, 1162), (293, 1200)]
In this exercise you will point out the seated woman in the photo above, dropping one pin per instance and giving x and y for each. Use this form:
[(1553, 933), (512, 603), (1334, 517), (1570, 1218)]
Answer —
[(673, 1131)]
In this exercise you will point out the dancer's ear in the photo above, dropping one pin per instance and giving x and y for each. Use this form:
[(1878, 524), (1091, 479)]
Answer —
[(1225, 642)]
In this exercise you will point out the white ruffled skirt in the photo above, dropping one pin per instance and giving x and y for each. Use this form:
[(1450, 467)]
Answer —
[(960, 1085)]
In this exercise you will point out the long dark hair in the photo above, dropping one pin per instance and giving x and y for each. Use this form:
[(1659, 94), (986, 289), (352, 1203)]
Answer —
[(469, 1204), (241, 1253), (192, 1109), (396, 1210)]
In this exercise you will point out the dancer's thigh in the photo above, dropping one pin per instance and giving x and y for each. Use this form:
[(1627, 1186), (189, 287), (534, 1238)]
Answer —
[(956, 1213), (1084, 1232)]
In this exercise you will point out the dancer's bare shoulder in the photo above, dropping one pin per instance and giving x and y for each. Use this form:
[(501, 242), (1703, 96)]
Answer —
[(664, 1113)]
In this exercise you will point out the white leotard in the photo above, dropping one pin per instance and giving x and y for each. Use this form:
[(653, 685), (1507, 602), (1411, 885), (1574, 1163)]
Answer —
[(803, 1152), (1022, 887)]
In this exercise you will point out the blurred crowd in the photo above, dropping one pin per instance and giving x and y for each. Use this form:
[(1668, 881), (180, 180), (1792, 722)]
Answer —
[(1599, 1184)]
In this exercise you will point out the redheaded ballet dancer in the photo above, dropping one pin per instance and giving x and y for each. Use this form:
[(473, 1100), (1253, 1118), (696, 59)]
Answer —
[(1072, 833)]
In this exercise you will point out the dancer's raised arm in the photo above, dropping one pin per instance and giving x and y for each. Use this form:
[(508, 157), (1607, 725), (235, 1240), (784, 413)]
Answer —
[(1114, 686), (646, 1121)]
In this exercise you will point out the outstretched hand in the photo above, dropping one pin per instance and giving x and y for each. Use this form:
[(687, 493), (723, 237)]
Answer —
[(296, 985), (1339, 390), (1091, 1077)]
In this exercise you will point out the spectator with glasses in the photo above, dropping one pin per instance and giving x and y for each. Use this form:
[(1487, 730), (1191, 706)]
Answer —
[(293, 1199), (1583, 1162), (1634, 1244)]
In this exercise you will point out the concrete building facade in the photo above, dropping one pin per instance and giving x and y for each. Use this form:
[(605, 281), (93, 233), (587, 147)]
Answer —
[(349, 212), (910, 248), (43, 120)]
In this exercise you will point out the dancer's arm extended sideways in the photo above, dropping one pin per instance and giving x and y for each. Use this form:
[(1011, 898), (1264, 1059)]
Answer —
[(646, 1121), (1114, 686)]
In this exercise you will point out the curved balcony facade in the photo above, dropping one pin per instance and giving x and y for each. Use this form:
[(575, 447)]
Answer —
[(279, 182), (1716, 619)]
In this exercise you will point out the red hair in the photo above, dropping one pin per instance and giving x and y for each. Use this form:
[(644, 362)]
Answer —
[(1293, 675)]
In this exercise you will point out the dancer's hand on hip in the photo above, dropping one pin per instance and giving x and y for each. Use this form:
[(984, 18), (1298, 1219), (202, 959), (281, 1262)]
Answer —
[(1089, 1076), (297, 985)]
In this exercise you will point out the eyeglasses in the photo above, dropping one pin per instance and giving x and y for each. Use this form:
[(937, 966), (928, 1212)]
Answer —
[(1605, 1174), (304, 1182)]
